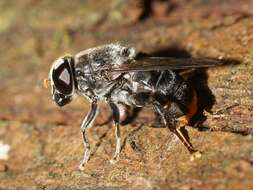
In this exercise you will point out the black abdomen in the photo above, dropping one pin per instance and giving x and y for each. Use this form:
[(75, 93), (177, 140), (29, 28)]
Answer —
[(166, 86), (175, 88)]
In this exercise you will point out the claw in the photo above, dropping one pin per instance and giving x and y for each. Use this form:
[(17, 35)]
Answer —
[(115, 159), (82, 166), (195, 155)]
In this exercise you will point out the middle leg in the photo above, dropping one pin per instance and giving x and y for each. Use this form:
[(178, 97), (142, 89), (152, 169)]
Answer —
[(116, 119)]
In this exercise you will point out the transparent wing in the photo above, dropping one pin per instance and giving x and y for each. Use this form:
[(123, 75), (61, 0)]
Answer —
[(164, 63)]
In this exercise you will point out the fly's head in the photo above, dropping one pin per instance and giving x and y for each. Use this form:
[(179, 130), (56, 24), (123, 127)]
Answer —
[(62, 80)]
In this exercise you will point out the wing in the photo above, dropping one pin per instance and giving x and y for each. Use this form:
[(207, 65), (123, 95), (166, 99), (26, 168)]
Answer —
[(164, 63)]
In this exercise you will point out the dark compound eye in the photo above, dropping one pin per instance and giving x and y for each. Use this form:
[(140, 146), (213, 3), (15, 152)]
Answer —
[(62, 76)]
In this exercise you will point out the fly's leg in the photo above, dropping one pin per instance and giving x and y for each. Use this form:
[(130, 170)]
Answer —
[(87, 151), (85, 124), (170, 122), (116, 119)]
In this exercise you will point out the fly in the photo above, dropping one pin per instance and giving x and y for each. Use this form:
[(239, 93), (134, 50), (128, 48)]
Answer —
[(124, 79)]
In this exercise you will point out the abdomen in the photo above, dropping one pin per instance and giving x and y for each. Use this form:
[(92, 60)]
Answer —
[(176, 90)]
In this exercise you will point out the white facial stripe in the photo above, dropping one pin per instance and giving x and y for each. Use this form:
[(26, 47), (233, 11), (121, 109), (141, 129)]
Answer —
[(65, 77)]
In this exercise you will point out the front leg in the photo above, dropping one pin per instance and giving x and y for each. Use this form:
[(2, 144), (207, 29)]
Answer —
[(116, 119), (88, 120)]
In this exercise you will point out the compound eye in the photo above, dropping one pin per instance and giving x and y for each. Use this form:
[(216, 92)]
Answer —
[(62, 76)]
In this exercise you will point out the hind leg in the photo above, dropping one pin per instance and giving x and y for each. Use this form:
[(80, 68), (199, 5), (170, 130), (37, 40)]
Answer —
[(175, 125)]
